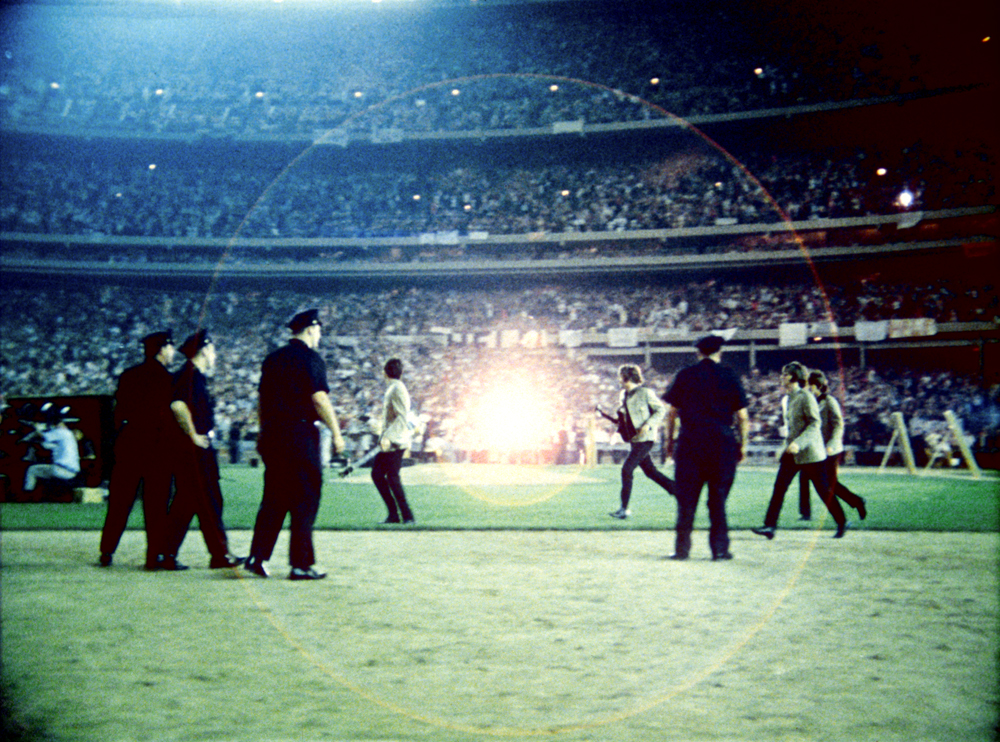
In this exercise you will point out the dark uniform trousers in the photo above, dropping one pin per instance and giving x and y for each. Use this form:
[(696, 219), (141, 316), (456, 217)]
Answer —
[(293, 480), (138, 460), (699, 463), (817, 473), (197, 493)]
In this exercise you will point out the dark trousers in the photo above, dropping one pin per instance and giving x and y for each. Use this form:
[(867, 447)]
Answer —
[(701, 463), (639, 457), (197, 493), (839, 490), (385, 475), (138, 464), (817, 474), (293, 482)]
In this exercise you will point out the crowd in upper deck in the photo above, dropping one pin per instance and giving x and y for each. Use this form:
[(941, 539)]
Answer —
[(692, 187), (298, 72)]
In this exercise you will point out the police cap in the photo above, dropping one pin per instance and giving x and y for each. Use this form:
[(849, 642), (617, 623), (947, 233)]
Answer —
[(195, 342), (305, 319), (154, 342), (709, 345)]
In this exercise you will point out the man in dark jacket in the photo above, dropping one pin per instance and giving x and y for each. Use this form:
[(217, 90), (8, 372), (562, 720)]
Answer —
[(142, 422), (705, 398), (294, 396)]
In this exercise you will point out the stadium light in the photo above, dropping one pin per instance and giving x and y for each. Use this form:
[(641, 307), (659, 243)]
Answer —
[(905, 199), (881, 171)]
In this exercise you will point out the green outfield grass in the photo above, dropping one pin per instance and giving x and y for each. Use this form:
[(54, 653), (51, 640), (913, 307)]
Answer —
[(481, 496)]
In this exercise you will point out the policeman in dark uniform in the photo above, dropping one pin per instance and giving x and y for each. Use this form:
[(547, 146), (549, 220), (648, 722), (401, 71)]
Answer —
[(294, 395), (142, 421), (706, 397), (197, 469)]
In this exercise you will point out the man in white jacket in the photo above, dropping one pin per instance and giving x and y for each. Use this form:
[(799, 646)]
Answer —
[(393, 442), (644, 413)]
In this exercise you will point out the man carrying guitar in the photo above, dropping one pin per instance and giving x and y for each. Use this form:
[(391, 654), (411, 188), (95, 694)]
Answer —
[(639, 417)]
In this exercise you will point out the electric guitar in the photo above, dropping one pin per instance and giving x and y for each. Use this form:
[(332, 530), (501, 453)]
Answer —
[(625, 428)]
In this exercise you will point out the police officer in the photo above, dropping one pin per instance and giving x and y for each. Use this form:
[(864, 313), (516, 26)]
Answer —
[(197, 467), (705, 398), (294, 395), (142, 421)]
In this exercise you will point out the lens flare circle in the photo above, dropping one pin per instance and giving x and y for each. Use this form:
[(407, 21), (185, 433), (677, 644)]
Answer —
[(514, 402)]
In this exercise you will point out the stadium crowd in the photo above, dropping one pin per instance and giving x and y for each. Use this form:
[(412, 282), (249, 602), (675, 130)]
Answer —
[(696, 187), (283, 72), (77, 341)]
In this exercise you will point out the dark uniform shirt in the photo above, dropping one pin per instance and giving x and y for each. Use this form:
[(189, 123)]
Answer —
[(142, 400), (191, 387), (707, 395), (289, 378)]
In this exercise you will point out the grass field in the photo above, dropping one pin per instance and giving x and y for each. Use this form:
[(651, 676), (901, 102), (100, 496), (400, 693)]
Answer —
[(517, 609), (484, 496)]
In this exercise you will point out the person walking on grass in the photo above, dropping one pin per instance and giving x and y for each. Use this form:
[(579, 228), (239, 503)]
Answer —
[(642, 412), (832, 430), (803, 451), (394, 441)]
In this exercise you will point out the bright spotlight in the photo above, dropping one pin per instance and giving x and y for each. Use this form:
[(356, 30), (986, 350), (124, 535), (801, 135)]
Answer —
[(905, 199), (553, 88), (881, 171), (511, 410), (456, 92)]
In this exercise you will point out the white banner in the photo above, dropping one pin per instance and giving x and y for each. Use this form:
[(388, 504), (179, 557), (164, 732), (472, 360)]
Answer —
[(792, 333), (571, 338), (871, 332), (567, 127), (623, 337), (912, 328)]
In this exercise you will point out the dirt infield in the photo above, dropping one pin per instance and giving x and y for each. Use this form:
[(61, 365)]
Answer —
[(483, 635)]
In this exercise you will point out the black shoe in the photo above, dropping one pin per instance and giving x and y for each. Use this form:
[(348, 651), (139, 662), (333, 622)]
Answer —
[(305, 574), (409, 521), (227, 560), (104, 561), (678, 557), (255, 566), (841, 530), (862, 510), (171, 564), (721, 556), (764, 531), (390, 521), (154, 563)]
